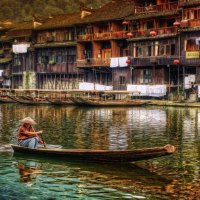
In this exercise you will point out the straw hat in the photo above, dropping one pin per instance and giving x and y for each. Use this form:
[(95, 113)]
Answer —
[(28, 120)]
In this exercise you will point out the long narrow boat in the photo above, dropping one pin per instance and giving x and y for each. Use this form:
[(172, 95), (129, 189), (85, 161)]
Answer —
[(103, 103), (59, 102), (5, 99), (28, 101), (122, 156)]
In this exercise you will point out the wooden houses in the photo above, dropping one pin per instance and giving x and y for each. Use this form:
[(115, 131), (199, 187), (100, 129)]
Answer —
[(190, 44), (102, 49), (124, 43), (5, 55), (155, 44), (23, 59), (55, 52)]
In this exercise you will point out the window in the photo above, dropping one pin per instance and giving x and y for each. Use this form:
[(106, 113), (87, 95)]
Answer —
[(166, 49), (173, 49), (122, 80), (190, 45), (147, 76), (17, 60), (139, 52)]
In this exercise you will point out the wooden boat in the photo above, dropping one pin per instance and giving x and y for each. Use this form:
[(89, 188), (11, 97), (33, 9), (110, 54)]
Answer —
[(59, 102), (123, 156), (5, 99), (103, 103), (28, 101)]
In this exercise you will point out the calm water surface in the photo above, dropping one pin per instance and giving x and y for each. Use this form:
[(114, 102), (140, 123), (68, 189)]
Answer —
[(171, 177)]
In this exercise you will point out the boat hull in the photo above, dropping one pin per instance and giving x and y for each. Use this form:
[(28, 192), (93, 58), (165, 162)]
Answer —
[(60, 102), (115, 103), (123, 156), (28, 101)]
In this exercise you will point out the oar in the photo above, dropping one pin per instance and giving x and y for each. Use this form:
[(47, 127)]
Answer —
[(43, 141)]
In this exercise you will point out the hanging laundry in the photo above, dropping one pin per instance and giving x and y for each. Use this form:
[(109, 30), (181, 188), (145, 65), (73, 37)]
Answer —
[(114, 62), (20, 48), (123, 61)]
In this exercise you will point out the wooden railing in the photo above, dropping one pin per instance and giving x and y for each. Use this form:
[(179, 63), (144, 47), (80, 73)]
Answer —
[(190, 23), (188, 2), (194, 22), (159, 31), (153, 60), (85, 37), (157, 8), (93, 62), (104, 35), (119, 34), (56, 68)]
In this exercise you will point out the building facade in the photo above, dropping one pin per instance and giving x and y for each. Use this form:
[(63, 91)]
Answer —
[(144, 46)]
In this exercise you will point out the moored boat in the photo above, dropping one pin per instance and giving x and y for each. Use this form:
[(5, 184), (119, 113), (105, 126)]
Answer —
[(103, 103), (29, 101), (122, 156), (59, 102), (5, 99)]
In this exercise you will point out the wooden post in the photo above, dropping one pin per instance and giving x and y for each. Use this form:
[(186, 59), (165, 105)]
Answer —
[(178, 80)]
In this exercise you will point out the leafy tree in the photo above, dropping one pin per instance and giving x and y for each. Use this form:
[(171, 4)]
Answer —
[(24, 9)]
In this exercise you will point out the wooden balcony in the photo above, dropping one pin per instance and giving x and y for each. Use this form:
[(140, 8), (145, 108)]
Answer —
[(153, 61), (190, 23), (103, 36), (188, 2), (56, 68), (86, 37), (194, 22), (93, 62), (119, 35), (157, 8), (159, 32)]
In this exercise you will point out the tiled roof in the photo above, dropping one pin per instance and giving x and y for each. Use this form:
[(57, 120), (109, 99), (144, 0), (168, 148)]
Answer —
[(153, 14), (59, 21), (6, 25), (116, 9)]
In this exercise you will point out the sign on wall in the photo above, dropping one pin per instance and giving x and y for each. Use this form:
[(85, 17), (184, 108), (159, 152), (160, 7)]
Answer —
[(192, 54)]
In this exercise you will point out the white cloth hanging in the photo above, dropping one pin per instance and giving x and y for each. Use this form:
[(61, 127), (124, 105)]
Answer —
[(122, 61), (20, 48), (114, 62)]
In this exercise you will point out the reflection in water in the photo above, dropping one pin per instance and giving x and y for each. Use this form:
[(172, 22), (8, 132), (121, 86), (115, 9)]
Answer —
[(28, 170), (93, 181), (109, 128)]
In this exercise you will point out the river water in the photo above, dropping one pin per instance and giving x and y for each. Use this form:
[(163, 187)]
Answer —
[(171, 177)]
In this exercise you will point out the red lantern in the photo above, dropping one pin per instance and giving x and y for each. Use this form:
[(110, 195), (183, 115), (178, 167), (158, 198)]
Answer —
[(125, 23), (177, 24), (118, 34), (153, 33), (128, 62), (130, 35), (176, 61)]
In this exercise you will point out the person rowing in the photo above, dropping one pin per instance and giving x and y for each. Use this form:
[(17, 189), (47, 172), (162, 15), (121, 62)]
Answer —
[(27, 137)]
